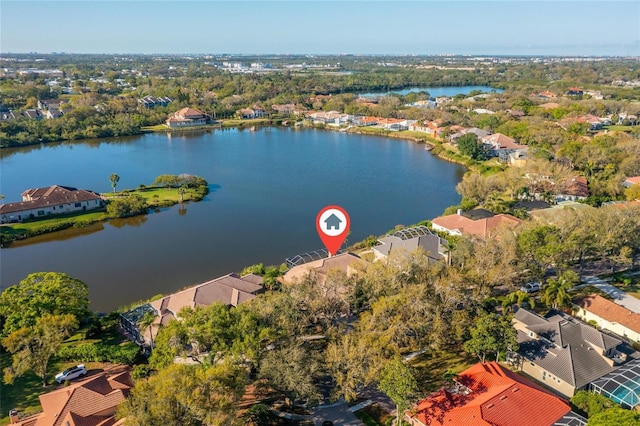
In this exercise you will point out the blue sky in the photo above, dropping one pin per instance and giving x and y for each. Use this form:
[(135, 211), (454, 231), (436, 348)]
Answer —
[(317, 27)]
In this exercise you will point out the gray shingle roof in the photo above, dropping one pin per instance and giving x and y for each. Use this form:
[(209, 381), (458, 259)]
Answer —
[(568, 348)]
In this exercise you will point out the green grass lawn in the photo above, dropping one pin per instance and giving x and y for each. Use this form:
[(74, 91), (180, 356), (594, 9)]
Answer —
[(245, 123), (157, 196)]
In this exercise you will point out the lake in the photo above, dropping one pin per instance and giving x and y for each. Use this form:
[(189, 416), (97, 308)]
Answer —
[(435, 92), (266, 186)]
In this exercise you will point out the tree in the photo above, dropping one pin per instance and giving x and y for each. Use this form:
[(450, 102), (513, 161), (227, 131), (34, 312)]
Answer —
[(615, 416), (146, 323), (399, 383), (468, 145), (127, 206), (39, 294), (114, 179), (32, 347), (556, 293), (186, 395), (491, 333), (591, 403), (352, 362), (292, 371)]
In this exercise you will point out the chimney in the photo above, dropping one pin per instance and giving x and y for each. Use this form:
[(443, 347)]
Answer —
[(13, 416), (459, 212)]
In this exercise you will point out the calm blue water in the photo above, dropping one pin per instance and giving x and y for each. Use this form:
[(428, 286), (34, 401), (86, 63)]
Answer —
[(435, 92), (267, 187)]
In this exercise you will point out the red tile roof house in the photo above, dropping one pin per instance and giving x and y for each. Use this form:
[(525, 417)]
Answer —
[(457, 224), (348, 263), (488, 394), (91, 402), (55, 199), (230, 290), (187, 117), (633, 180), (609, 316), (501, 145), (574, 189)]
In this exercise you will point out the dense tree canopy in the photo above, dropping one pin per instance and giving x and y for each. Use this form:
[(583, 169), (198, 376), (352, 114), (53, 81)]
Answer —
[(39, 294)]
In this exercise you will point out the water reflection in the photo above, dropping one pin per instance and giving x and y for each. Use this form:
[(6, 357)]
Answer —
[(128, 221), (62, 235)]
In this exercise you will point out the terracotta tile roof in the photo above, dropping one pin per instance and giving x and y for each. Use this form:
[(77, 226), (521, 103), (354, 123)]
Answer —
[(610, 311), (91, 402), (229, 289), (491, 395), (49, 196), (189, 113), (342, 262), (634, 180), (500, 141), (455, 223)]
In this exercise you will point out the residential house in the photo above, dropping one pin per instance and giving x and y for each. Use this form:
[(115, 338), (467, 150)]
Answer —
[(608, 315), (90, 402), (284, 109), (563, 352), (485, 227), (633, 180), (347, 263), (572, 189), (55, 199), (329, 118), (153, 101), (411, 239), (546, 94), (627, 119), (6, 113), (490, 395), (394, 124), (481, 111), (501, 146), (52, 113), (251, 113), (46, 104), (575, 91), (453, 138), (230, 290), (32, 114), (187, 117), (366, 121)]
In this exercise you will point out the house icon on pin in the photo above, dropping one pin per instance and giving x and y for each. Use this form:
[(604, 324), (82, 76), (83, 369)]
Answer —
[(333, 222)]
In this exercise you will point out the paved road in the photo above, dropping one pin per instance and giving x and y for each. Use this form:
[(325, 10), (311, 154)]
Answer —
[(338, 413), (619, 296)]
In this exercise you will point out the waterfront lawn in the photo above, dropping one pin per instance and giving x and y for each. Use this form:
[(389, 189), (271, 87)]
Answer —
[(32, 227), (245, 122), (157, 196)]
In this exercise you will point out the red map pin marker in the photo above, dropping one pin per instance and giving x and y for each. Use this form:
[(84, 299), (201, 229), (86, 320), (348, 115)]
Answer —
[(333, 224)]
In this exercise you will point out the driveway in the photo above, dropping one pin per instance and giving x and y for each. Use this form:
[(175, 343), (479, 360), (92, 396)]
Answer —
[(338, 413), (619, 296)]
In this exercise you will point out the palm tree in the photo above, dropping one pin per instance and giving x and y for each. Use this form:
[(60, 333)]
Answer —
[(556, 293), (146, 322), (114, 178)]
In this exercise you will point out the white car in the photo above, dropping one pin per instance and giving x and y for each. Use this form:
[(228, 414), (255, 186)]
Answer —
[(531, 287), (71, 373)]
